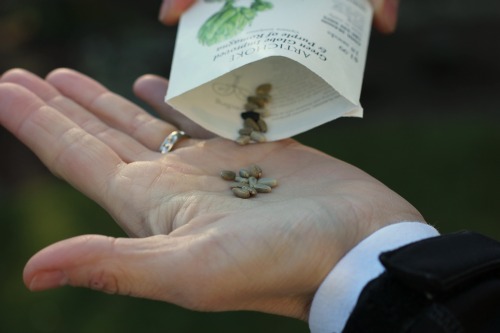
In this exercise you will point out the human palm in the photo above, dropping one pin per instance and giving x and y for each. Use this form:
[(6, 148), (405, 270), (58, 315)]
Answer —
[(196, 244)]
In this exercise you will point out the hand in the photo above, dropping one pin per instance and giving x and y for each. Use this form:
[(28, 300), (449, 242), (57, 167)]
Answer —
[(197, 245), (384, 18), (385, 15)]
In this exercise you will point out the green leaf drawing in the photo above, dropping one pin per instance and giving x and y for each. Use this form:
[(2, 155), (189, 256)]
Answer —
[(229, 21)]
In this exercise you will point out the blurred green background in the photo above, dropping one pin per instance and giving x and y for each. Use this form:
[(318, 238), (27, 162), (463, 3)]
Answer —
[(431, 132)]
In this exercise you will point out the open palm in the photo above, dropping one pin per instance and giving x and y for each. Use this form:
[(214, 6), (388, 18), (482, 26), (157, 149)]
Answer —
[(196, 244)]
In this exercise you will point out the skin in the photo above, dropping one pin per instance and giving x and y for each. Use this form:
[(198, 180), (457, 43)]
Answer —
[(191, 242)]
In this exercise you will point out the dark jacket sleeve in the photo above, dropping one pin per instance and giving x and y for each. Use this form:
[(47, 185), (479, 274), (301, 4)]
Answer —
[(449, 283)]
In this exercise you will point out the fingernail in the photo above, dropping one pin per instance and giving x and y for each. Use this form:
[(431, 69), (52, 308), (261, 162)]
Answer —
[(48, 280)]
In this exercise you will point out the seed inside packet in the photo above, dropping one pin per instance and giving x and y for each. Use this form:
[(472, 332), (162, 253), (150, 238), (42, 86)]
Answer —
[(255, 110)]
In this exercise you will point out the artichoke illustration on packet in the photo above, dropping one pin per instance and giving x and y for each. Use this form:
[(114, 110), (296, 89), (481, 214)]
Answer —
[(229, 21)]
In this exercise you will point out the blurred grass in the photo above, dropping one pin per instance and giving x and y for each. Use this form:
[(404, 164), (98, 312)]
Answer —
[(431, 133), (448, 168)]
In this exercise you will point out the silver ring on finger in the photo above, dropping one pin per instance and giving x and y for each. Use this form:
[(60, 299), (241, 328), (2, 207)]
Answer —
[(168, 144)]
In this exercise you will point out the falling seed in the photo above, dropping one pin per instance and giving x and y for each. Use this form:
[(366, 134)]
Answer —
[(249, 122), (243, 140), (255, 116), (250, 106), (245, 131), (262, 125), (261, 102), (264, 112), (258, 137), (254, 110), (265, 98), (263, 88)]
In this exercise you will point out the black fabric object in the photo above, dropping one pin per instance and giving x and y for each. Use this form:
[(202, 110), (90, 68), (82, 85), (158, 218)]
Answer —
[(444, 284)]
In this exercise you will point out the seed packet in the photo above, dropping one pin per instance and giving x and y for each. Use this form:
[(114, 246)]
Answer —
[(312, 53)]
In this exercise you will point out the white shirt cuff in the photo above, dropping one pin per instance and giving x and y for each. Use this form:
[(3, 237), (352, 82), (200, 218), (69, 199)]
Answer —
[(339, 292)]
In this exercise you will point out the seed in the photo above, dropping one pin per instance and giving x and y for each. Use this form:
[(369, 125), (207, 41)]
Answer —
[(254, 110), (258, 137), (252, 181), (264, 88), (251, 114), (239, 179), (243, 140), (264, 112), (241, 193), (237, 184), (268, 181), (227, 174), (261, 188), (266, 98), (250, 189), (255, 171), (247, 182), (250, 106), (245, 131), (244, 173), (249, 122), (261, 102), (262, 125)]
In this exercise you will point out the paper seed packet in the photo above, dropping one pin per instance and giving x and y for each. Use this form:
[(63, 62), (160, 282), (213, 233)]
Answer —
[(312, 52)]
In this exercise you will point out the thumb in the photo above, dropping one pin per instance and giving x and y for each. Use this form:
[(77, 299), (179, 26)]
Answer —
[(143, 267), (385, 15)]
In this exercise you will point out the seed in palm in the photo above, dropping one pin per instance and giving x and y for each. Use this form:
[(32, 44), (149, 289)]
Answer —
[(247, 182)]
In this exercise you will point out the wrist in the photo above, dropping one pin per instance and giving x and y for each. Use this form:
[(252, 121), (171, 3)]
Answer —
[(337, 295)]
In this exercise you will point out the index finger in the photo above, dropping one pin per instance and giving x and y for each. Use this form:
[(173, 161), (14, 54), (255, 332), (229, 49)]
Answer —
[(65, 148)]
